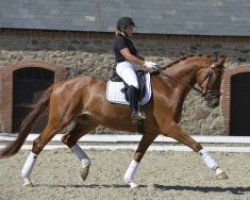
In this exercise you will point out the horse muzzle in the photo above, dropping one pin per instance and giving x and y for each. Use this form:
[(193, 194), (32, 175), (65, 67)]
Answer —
[(212, 98)]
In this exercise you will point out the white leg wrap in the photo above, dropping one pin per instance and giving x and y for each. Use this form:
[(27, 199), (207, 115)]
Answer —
[(208, 160), (129, 175), (82, 156), (28, 165)]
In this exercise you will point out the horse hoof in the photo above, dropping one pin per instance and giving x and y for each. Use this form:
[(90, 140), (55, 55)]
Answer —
[(27, 183), (221, 175), (133, 185), (84, 173)]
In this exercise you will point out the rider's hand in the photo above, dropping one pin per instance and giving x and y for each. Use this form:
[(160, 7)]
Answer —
[(150, 64), (153, 68)]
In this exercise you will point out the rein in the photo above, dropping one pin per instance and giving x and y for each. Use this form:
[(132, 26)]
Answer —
[(183, 83)]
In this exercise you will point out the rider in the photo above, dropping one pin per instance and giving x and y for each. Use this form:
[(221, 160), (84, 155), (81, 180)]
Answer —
[(127, 58)]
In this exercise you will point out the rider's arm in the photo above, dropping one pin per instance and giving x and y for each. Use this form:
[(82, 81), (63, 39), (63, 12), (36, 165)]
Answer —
[(139, 56), (137, 60)]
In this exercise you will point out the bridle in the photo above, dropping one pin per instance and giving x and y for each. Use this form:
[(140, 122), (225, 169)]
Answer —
[(182, 83), (209, 94)]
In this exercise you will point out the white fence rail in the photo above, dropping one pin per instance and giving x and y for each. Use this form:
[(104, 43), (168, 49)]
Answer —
[(161, 143), (101, 138)]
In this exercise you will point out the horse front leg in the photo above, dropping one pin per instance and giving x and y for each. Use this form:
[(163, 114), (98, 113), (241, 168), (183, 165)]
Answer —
[(144, 143), (176, 132)]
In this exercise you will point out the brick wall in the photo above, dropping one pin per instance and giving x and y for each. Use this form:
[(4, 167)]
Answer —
[(91, 54), (6, 82)]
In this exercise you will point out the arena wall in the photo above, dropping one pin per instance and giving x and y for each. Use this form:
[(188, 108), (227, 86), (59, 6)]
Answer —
[(90, 53)]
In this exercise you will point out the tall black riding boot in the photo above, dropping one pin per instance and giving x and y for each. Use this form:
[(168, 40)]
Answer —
[(134, 99)]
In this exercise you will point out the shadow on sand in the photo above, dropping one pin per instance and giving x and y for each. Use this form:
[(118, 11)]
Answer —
[(204, 189)]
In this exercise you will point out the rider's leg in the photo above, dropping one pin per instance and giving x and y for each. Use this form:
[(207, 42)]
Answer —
[(127, 72), (134, 99)]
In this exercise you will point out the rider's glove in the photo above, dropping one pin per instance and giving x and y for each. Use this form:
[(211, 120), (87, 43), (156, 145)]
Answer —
[(153, 68), (150, 64)]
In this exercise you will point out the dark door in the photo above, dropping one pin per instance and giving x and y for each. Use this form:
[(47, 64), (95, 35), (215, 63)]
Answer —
[(28, 86), (240, 105)]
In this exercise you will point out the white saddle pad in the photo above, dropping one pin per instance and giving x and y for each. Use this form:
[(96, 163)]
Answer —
[(114, 94)]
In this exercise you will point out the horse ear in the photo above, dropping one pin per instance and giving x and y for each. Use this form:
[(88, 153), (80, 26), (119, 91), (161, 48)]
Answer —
[(221, 61)]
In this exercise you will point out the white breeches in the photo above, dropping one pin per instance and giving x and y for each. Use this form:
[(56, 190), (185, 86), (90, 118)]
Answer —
[(126, 71)]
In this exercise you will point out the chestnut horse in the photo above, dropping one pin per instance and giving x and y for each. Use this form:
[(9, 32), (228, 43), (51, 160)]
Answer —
[(82, 100)]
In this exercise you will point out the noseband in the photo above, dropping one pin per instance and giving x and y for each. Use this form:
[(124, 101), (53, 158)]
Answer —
[(209, 94)]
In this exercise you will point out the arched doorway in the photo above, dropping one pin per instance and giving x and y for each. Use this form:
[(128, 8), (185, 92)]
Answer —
[(240, 105), (28, 86), (42, 72)]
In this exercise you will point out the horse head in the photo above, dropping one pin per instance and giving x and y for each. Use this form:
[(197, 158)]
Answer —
[(209, 80)]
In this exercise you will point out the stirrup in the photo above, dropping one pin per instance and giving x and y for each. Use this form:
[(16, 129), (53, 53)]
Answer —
[(138, 116), (141, 113)]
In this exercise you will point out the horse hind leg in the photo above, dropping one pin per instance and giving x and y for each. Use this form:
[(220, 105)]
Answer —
[(84, 125), (177, 133), (39, 143), (61, 113)]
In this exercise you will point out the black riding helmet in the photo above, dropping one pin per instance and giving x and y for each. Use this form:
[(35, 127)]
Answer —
[(124, 22)]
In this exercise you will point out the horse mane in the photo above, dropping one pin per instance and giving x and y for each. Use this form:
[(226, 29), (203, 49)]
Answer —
[(184, 58)]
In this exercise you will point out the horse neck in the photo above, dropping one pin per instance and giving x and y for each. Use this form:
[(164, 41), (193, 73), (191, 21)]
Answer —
[(185, 74)]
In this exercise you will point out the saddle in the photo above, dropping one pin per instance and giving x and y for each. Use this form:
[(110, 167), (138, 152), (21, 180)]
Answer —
[(117, 89)]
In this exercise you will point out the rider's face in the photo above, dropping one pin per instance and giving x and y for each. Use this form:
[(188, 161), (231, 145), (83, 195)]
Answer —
[(129, 31)]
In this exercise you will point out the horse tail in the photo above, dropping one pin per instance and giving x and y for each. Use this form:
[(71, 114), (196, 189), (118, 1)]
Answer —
[(27, 125)]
